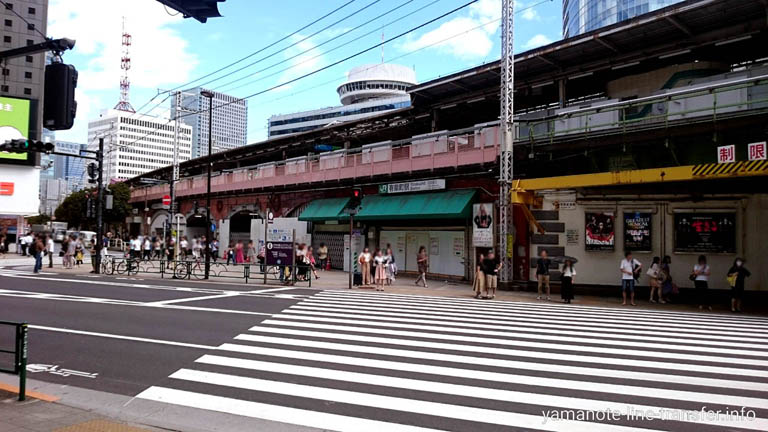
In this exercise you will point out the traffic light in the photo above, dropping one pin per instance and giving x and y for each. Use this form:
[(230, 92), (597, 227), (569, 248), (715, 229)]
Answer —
[(93, 172), (27, 146), (357, 197), (59, 105)]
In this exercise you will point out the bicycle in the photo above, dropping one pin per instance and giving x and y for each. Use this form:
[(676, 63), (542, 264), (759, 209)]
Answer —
[(108, 265), (128, 266)]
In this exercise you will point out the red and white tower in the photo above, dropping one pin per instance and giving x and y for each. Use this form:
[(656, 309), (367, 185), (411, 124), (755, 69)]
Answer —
[(125, 83)]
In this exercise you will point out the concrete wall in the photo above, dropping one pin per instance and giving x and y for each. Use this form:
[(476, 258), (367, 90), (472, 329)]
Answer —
[(602, 268)]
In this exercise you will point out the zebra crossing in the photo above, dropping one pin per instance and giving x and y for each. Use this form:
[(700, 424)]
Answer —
[(356, 361)]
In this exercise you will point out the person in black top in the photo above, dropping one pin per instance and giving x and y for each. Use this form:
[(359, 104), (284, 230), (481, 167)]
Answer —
[(542, 273), (737, 288), (490, 266)]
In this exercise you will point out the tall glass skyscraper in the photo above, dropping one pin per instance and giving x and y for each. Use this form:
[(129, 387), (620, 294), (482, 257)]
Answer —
[(582, 16)]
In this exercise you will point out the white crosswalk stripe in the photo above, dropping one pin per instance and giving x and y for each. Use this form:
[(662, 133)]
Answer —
[(370, 361)]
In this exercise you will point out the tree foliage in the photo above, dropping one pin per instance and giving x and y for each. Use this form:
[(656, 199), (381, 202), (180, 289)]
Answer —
[(73, 209)]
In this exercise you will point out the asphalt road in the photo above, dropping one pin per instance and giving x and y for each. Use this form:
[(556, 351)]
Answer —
[(355, 361)]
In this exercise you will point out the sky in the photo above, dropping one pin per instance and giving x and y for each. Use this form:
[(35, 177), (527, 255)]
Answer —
[(169, 51)]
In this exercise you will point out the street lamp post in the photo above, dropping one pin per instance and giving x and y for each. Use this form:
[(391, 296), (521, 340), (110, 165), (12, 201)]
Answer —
[(208, 231)]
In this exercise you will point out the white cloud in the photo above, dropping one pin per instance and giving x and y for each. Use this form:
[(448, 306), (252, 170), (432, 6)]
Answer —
[(475, 43), (537, 41), (160, 57)]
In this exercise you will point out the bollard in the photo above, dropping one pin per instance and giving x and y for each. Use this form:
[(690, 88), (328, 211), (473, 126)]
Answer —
[(21, 339)]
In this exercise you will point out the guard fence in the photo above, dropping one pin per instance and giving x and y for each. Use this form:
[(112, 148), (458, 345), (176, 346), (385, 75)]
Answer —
[(195, 269), (18, 351)]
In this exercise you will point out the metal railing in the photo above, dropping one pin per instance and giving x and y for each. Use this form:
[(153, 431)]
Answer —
[(19, 353)]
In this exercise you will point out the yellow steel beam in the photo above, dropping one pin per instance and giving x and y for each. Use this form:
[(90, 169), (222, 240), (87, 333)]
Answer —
[(652, 175)]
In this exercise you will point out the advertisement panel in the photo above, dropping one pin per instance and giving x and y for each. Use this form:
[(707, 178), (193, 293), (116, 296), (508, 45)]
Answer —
[(279, 253), (637, 232), (705, 232), (482, 225), (600, 235), (14, 124)]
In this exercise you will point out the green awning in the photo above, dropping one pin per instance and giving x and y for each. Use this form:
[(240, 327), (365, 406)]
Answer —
[(324, 209), (436, 205)]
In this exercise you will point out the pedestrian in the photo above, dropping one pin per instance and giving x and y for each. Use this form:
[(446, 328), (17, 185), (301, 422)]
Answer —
[(737, 275), (184, 248), (196, 248), (262, 256), (322, 256), (251, 254), (654, 279), (491, 266), (628, 268), (37, 248), (542, 274), (239, 253), (49, 247), (422, 262), (312, 261), (700, 276), (68, 247), (300, 262), (667, 283), (478, 286), (364, 259), (136, 246), (381, 272), (215, 249), (147, 248), (566, 281), (230, 255), (391, 266), (78, 251), (158, 247), (24, 245)]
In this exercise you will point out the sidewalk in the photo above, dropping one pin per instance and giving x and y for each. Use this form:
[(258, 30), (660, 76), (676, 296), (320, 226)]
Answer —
[(43, 416), (338, 280)]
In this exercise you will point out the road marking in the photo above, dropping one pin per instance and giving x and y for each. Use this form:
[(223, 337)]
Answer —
[(536, 333), (612, 331), (497, 351), (508, 396), (445, 410), (130, 338), (529, 344), (470, 360), (275, 413), (183, 300)]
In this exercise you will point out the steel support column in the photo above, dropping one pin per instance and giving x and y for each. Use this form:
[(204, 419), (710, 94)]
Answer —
[(507, 87)]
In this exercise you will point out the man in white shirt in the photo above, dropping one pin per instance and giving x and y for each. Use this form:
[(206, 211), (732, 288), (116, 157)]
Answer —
[(136, 248), (49, 249), (147, 248), (629, 267)]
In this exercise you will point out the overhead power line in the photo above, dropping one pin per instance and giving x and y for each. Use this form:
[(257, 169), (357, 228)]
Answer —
[(296, 43), (308, 74), (264, 48)]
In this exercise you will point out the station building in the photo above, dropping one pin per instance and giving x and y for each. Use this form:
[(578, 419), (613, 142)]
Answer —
[(646, 135)]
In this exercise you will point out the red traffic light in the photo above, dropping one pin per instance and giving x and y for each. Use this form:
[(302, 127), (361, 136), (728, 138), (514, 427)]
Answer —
[(357, 193)]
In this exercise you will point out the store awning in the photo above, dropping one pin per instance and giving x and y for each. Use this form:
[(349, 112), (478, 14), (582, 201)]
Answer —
[(324, 209), (438, 205)]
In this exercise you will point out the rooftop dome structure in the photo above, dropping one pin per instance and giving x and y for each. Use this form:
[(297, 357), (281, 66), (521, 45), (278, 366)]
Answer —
[(375, 81)]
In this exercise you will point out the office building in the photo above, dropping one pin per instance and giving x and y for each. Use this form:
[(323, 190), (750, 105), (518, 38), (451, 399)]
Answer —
[(582, 16), (135, 144), (24, 23), (52, 194), (69, 168), (369, 90), (230, 120)]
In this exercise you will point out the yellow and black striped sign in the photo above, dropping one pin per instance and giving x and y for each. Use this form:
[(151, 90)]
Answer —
[(756, 167)]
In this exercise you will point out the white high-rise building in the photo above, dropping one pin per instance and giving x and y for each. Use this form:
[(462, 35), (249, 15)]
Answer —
[(135, 144), (230, 120)]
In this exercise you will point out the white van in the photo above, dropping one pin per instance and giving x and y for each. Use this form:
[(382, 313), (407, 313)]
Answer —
[(87, 236)]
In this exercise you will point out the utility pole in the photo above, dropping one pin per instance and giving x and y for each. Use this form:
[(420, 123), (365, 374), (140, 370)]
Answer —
[(507, 89), (208, 231), (175, 171), (99, 206)]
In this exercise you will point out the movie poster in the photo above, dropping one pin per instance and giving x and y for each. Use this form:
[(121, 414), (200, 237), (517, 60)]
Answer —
[(705, 232), (482, 225), (637, 232), (600, 234)]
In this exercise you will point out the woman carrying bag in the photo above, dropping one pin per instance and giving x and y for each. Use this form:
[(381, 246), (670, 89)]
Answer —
[(479, 284)]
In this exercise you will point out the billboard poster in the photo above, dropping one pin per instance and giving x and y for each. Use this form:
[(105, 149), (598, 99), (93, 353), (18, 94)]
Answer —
[(482, 225), (14, 124), (600, 235), (637, 232), (705, 232)]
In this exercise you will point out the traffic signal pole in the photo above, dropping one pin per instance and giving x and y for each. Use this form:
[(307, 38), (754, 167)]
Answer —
[(99, 207)]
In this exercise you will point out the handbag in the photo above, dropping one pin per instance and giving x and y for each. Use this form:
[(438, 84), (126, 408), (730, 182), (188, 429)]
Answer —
[(692, 276), (732, 279)]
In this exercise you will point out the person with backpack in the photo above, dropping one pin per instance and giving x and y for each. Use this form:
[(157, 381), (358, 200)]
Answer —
[(629, 266), (737, 275)]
